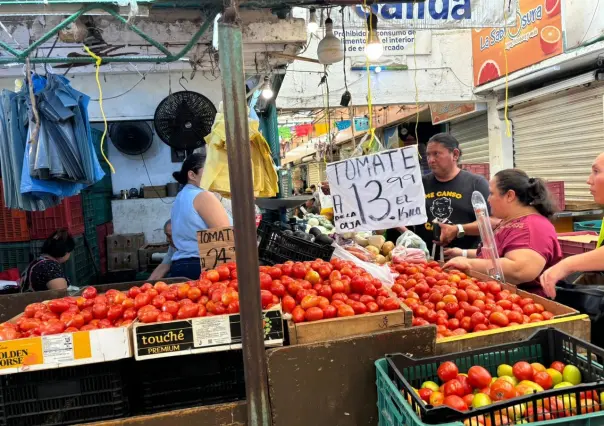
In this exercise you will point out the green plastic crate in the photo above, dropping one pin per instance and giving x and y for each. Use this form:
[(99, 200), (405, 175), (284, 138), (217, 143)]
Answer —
[(80, 268), (588, 225), (393, 410), (97, 205), (14, 255)]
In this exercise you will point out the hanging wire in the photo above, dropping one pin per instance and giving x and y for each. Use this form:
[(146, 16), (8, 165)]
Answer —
[(368, 28), (508, 128), (344, 41), (98, 61), (416, 87)]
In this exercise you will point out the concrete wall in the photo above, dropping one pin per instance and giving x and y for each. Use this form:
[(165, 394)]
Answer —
[(443, 76), (147, 216), (583, 22)]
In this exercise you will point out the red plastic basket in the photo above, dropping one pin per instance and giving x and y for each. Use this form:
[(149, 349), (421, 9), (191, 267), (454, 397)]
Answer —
[(570, 248), (69, 214), (13, 223), (556, 188), (482, 169)]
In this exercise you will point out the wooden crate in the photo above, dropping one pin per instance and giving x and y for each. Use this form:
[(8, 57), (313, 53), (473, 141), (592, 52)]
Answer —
[(158, 191), (338, 328)]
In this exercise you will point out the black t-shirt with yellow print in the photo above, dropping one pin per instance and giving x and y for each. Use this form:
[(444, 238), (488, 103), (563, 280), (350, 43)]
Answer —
[(450, 202)]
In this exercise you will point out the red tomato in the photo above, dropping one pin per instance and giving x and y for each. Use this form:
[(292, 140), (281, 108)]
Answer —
[(115, 312), (89, 293), (99, 310), (129, 314), (465, 384), (314, 314), (502, 390), (298, 314), (455, 402), (479, 377), (148, 316), (133, 292), (522, 370), (158, 301), (30, 310), (194, 293), (58, 306), (529, 309), (233, 307), (544, 380), (330, 311), (391, 304), (189, 310), (447, 371), (453, 387), (359, 308), (55, 327), (212, 275), (164, 316), (499, 319), (77, 321), (266, 298), (202, 311), (277, 288), (288, 303), (557, 365), (224, 273), (141, 300), (425, 393), (478, 318), (345, 311), (171, 307)]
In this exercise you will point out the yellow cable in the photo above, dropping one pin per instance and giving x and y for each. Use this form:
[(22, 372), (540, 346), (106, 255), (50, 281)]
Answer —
[(505, 55), (368, 28), (98, 61)]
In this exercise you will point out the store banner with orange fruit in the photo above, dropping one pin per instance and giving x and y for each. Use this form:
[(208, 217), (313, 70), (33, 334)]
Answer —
[(536, 37)]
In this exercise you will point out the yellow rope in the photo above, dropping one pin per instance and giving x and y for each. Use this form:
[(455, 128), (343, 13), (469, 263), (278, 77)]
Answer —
[(505, 55), (368, 28), (98, 61)]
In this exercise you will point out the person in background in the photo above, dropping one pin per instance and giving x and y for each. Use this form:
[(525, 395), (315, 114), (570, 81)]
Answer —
[(448, 197), (591, 261), (315, 194), (525, 238), (194, 209), (163, 269), (46, 272)]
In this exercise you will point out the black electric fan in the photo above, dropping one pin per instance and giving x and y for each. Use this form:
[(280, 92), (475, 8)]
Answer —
[(184, 119), (131, 137)]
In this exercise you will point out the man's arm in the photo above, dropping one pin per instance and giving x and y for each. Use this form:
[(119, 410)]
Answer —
[(586, 262), (160, 272), (449, 232)]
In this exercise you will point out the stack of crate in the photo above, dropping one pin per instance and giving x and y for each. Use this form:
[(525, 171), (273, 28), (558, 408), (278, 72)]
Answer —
[(14, 237)]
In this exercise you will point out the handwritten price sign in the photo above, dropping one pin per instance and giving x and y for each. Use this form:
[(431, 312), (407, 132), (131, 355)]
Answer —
[(378, 191), (216, 247)]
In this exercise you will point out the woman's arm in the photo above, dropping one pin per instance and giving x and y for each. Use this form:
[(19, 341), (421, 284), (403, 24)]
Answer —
[(586, 262), (57, 284), (211, 210), (451, 253), (519, 266)]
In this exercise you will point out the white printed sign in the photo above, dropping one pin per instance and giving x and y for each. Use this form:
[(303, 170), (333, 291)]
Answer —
[(433, 14), (396, 41), (378, 191)]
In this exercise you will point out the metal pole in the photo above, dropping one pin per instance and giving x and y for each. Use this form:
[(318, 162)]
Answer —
[(240, 173)]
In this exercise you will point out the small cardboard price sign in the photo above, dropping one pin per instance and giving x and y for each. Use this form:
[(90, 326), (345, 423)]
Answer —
[(216, 247), (378, 191)]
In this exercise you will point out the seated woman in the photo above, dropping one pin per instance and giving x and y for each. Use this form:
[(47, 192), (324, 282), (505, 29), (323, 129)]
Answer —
[(46, 272), (587, 262), (525, 238)]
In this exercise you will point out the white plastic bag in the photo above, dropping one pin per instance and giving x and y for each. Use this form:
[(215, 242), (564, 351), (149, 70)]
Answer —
[(381, 272), (410, 240), (325, 200)]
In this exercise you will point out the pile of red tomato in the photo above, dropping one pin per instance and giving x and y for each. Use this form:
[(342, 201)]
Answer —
[(310, 291), (317, 290), (459, 304)]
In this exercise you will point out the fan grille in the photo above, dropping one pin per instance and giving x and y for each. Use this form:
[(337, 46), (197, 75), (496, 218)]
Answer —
[(183, 119), (131, 137)]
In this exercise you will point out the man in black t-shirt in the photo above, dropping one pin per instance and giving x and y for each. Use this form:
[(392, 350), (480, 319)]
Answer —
[(449, 196)]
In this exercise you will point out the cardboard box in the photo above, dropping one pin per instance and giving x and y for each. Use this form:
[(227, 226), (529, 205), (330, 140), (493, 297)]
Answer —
[(199, 335), (117, 261), (66, 349), (145, 253), (124, 243)]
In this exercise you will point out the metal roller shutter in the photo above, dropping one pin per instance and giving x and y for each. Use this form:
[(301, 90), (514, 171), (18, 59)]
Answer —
[(558, 138), (473, 137), (314, 176)]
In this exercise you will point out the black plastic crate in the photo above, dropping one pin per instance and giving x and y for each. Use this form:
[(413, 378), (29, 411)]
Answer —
[(64, 396), (275, 247), (170, 383), (545, 346)]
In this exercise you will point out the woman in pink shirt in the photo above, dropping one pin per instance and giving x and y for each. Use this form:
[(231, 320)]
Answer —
[(526, 240)]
